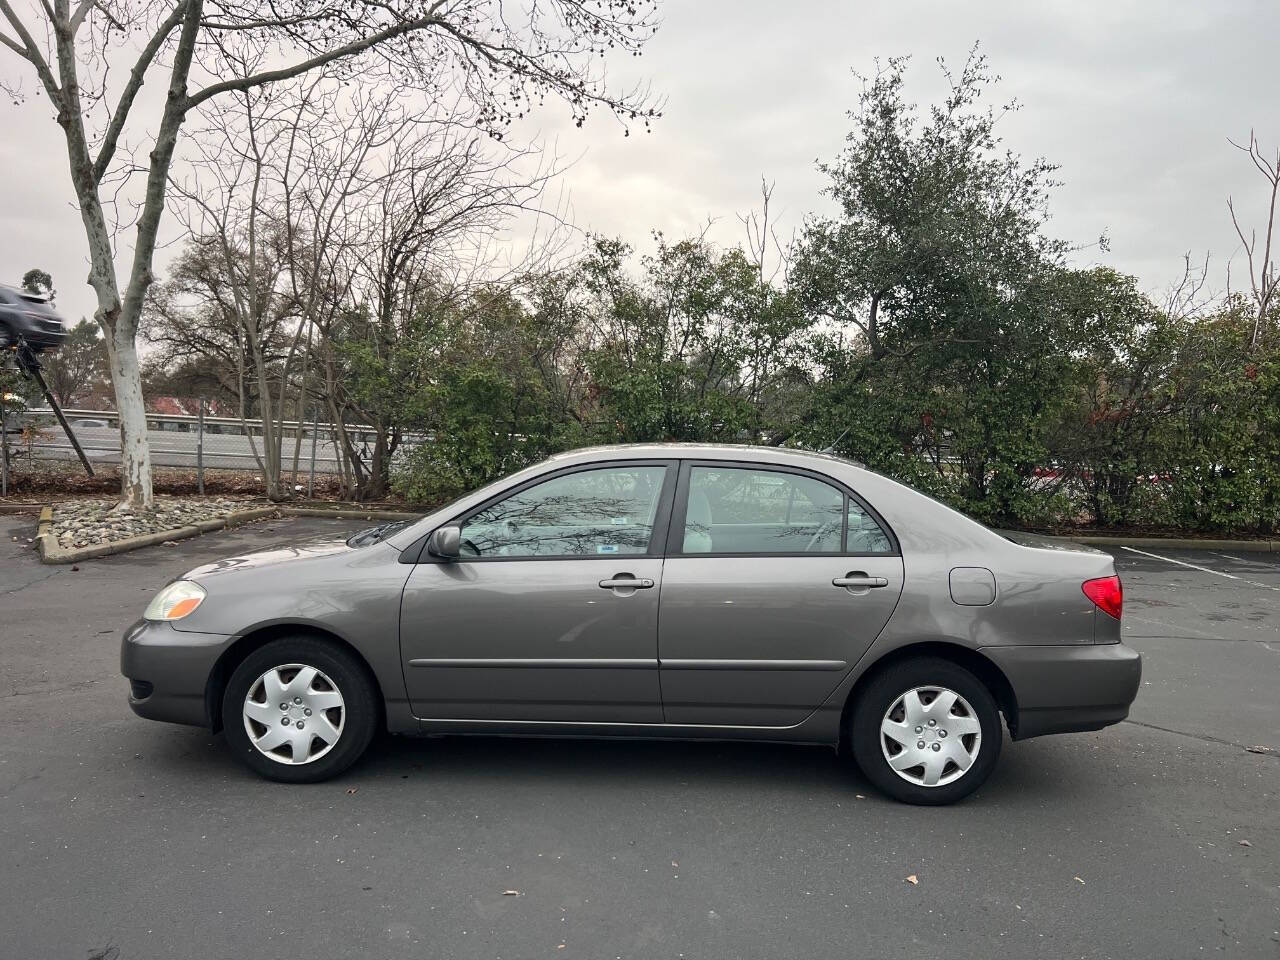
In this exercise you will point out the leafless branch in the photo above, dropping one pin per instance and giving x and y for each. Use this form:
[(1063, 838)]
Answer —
[(1264, 280), (137, 76)]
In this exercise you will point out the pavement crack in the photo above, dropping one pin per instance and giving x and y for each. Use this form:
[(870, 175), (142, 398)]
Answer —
[(55, 688), (1205, 738), (22, 586)]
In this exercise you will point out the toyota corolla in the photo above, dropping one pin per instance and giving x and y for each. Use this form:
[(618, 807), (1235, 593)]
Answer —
[(674, 591)]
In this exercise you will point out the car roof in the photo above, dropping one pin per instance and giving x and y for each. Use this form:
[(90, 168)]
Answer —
[(20, 292), (42, 301), (706, 451)]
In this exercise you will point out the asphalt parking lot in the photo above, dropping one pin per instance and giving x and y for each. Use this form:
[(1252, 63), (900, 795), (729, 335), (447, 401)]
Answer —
[(1159, 837)]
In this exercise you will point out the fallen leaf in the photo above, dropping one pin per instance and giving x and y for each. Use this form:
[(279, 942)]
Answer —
[(913, 880), (511, 893), (1077, 878), (351, 791), (1244, 843), (1259, 749), (171, 543)]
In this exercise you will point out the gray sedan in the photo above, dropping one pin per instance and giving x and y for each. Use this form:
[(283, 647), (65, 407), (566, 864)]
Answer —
[(711, 592)]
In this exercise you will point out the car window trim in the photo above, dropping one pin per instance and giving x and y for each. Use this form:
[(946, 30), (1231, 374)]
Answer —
[(679, 511), (657, 536)]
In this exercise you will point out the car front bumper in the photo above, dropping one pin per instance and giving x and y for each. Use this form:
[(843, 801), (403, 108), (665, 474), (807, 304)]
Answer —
[(1065, 689), (168, 671)]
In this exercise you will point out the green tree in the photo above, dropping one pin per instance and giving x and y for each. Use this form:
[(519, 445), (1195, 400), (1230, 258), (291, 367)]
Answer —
[(37, 281), (79, 369), (944, 353), (492, 405), (1222, 471), (1114, 432), (697, 347)]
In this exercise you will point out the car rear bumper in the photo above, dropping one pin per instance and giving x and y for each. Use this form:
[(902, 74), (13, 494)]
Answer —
[(1064, 689), (168, 671)]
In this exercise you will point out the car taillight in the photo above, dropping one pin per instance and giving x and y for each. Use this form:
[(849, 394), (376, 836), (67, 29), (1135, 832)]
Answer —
[(1106, 593)]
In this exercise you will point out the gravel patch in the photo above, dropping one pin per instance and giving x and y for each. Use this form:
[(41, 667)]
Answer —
[(87, 523)]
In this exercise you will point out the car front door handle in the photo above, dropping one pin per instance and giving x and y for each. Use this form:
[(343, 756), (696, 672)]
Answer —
[(859, 580), (626, 583)]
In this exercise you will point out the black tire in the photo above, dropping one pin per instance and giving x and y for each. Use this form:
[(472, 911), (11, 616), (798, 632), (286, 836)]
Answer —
[(362, 706), (884, 692)]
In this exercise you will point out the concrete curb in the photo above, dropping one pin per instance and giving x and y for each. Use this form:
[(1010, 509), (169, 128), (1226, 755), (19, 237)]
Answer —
[(50, 551), (20, 507), (352, 514)]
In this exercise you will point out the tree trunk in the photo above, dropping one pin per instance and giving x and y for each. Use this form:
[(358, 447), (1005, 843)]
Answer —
[(135, 451), (379, 468), (119, 317), (271, 442)]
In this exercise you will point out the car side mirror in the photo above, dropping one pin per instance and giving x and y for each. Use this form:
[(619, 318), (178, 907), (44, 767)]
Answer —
[(445, 542)]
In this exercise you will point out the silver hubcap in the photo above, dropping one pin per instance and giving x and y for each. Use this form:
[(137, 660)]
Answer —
[(930, 736), (294, 714)]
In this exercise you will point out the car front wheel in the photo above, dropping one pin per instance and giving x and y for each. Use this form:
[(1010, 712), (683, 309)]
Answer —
[(300, 710), (926, 731)]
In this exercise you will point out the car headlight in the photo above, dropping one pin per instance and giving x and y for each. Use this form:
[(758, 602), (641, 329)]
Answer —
[(175, 601)]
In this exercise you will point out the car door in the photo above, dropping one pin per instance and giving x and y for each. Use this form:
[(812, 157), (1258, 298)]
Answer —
[(551, 613), (776, 581)]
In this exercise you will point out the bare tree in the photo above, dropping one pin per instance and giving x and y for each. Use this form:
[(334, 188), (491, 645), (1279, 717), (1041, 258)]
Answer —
[(270, 175), (503, 58), (1264, 280), (426, 246), (1189, 297), (309, 230)]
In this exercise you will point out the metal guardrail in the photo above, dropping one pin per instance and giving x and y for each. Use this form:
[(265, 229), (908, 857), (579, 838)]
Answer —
[(185, 441), (195, 441), (183, 422)]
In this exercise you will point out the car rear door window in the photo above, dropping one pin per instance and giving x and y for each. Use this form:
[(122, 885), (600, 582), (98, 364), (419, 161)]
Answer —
[(863, 533), (602, 512), (732, 510), (736, 510)]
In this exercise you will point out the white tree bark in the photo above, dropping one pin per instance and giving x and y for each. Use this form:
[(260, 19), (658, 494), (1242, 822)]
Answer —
[(135, 451)]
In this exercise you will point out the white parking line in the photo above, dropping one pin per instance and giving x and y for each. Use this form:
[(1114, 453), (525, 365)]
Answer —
[(1196, 566), (1256, 563), (1172, 626)]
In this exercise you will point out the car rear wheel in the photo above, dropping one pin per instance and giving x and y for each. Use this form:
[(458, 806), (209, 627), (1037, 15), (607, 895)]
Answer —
[(300, 710), (926, 731)]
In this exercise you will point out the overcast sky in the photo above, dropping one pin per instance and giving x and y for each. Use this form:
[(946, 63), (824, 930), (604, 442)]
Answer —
[(1135, 101)]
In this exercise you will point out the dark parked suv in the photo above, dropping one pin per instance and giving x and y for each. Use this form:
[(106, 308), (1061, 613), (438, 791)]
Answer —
[(31, 317)]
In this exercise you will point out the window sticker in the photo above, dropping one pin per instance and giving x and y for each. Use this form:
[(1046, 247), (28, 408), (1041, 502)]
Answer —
[(607, 548)]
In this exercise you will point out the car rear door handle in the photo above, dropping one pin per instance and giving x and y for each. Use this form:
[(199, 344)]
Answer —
[(626, 583), (859, 580)]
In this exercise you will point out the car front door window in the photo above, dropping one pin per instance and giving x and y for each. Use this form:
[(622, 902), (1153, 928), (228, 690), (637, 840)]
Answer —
[(603, 512)]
